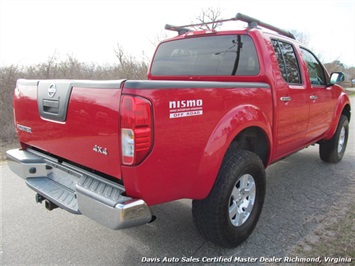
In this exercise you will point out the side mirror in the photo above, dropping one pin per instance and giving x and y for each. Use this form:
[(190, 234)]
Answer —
[(337, 77)]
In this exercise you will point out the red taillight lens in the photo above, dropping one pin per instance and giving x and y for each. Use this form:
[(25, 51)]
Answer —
[(136, 129)]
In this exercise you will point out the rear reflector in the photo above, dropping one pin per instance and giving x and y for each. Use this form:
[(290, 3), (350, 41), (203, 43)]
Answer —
[(136, 129)]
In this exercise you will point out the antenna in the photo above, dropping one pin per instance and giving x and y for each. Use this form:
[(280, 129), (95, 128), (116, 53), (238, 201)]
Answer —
[(252, 23)]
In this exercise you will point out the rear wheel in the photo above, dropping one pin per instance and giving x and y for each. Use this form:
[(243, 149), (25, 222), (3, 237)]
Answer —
[(332, 151), (230, 212)]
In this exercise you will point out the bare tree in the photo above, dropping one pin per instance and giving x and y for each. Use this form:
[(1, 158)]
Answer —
[(334, 66), (302, 37), (120, 54), (157, 38), (49, 65), (209, 14), (129, 67)]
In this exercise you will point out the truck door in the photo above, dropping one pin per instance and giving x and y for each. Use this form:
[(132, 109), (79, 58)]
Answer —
[(291, 100), (322, 98)]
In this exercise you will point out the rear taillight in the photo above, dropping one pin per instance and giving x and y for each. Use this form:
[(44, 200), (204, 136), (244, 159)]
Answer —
[(136, 129)]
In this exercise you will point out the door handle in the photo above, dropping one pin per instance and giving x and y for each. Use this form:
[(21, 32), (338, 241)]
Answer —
[(313, 97), (285, 99)]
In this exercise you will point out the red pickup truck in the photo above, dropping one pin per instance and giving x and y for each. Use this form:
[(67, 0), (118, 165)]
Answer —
[(217, 109)]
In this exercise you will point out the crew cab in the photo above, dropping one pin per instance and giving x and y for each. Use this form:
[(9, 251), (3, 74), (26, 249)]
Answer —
[(217, 109)]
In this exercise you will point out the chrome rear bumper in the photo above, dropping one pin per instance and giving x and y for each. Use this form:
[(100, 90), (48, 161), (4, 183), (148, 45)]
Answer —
[(78, 191)]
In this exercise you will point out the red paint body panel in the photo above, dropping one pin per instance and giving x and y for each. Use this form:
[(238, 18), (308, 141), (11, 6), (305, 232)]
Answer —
[(187, 151), (92, 119), (194, 121), (341, 102)]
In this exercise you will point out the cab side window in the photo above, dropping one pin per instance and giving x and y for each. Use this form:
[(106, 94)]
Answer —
[(315, 69), (287, 60)]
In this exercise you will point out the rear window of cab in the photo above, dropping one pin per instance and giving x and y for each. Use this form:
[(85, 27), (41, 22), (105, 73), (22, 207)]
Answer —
[(223, 55)]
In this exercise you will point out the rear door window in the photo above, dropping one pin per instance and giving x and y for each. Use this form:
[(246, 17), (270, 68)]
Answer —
[(227, 55), (288, 64)]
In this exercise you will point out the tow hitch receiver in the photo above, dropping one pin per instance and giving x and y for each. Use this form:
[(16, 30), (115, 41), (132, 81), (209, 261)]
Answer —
[(39, 198), (48, 204)]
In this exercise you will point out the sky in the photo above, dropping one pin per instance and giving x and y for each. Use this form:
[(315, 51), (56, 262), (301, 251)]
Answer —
[(32, 31)]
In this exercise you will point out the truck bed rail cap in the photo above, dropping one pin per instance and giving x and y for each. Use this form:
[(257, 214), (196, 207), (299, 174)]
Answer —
[(167, 84)]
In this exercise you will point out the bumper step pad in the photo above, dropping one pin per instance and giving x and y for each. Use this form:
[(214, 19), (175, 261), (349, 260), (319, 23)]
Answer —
[(58, 194), (77, 190), (62, 188)]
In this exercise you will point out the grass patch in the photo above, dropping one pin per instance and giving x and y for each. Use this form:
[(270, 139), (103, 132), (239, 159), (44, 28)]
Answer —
[(334, 239)]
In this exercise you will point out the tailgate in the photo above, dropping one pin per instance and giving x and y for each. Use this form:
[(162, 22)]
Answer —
[(77, 121)]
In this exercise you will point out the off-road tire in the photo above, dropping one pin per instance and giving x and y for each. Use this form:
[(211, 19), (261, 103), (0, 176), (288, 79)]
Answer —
[(332, 151), (211, 215)]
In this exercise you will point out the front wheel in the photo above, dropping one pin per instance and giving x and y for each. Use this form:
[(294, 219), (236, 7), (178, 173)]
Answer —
[(332, 151), (230, 212)]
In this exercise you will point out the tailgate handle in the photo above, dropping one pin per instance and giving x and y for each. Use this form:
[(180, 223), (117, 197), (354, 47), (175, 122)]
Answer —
[(51, 106)]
